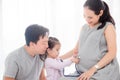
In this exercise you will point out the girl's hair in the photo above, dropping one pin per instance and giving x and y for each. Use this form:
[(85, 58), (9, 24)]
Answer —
[(52, 42), (97, 6)]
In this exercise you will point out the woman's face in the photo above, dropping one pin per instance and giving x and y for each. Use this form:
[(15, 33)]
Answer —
[(90, 17), (53, 53)]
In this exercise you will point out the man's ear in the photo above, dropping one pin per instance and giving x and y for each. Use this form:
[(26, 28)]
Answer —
[(31, 44)]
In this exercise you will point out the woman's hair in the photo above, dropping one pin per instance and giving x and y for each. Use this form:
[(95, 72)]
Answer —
[(97, 6)]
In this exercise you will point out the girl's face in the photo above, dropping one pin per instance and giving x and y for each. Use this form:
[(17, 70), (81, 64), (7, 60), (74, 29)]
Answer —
[(53, 53), (91, 18)]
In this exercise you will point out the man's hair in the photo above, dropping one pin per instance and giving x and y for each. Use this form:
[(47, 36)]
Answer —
[(34, 32)]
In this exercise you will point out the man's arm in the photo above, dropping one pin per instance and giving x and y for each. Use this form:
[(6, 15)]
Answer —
[(42, 75), (8, 78)]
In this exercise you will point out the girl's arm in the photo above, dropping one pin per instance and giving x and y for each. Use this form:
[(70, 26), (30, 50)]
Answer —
[(57, 64)]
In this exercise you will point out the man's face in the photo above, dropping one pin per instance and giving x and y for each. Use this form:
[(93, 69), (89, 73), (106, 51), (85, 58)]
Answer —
[(41, 45)]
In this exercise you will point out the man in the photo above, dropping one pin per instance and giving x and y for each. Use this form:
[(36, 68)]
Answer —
[(26, 63)]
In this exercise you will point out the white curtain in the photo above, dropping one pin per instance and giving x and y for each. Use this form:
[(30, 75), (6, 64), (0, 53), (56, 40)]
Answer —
[(64, 19)]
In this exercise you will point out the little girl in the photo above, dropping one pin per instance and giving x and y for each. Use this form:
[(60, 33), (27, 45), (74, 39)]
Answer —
[(53, 64)]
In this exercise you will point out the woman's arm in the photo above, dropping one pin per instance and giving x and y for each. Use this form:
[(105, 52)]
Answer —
[(74, 50), (69, 54), (110, 36)]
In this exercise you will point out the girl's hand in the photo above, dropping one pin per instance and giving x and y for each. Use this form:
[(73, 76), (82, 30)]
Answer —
[(75, 60), (87, 75)]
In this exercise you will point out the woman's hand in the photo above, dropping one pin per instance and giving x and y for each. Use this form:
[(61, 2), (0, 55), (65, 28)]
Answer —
[(87, 75)]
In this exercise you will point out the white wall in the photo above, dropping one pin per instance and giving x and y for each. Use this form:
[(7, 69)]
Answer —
[(1, 50)]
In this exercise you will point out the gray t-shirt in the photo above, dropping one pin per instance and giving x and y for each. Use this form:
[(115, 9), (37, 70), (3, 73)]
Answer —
[(21, 66)]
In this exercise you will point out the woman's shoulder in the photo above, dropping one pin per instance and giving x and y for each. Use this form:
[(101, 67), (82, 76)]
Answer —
[(85, 26), (109, 27), (109, 24)]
